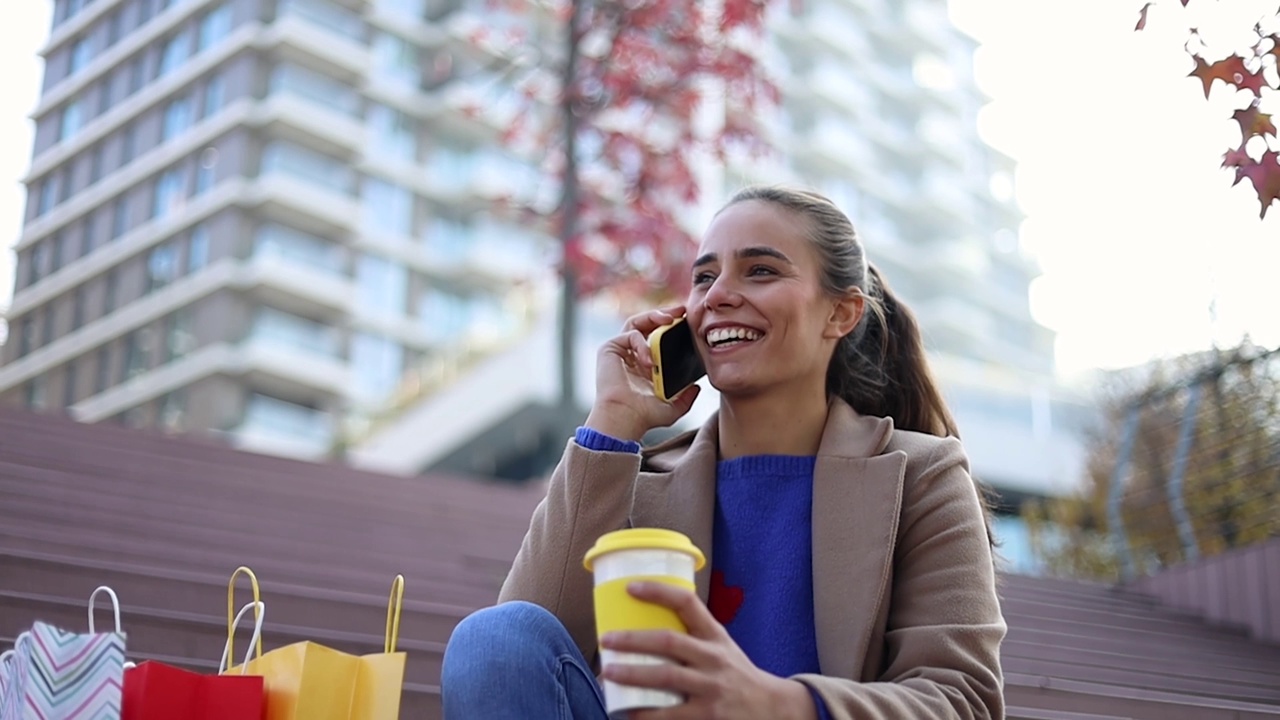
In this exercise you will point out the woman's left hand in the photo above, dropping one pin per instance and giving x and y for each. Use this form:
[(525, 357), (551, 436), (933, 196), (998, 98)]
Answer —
[(709, 669)]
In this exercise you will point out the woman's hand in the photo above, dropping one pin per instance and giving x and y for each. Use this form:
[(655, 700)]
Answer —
[(626, 406), (711, 670)]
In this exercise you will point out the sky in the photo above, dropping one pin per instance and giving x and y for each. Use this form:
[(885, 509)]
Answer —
[(1136, 229)]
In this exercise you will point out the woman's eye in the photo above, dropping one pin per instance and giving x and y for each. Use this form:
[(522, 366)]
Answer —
[(703, 277), (761, 270)]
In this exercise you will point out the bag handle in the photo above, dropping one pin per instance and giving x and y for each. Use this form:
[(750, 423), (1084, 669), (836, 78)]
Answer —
[(393, 614), (231, 609), (259, 612), (115, 606)]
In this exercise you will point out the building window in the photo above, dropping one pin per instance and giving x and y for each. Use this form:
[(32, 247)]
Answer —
[(49, 329), (113, 28), (172, 413), (170, 192), (214, 96), (119, 217), (88, 236), (36, 393), (377, 362), (162, 266), (128, 145), (386, 207), (26, 337), (102, 378), (111, 281), (77, 309), (137, 75), (49, 193), (137, 346), (72, 120), (95, 164), (80, 55), (177, 118), (198, 249), (105, 101), (69, 385), (146, 8), (214, 26), (179, 337), (206, 170), (39, 256), (175, 53), (62, 252), (381, 286)]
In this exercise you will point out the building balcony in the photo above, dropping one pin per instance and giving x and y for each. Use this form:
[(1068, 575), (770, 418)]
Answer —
[(279, 427), (294, 285), (326, 127), (297, 201)]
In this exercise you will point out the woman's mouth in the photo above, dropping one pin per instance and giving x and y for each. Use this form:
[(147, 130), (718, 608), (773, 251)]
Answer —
[(731, 336)]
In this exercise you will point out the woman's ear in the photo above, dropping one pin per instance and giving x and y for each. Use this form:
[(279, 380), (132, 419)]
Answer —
[(846, 312)]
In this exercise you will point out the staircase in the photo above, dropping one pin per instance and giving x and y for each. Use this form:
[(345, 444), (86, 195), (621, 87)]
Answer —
[(165, 521), (1078, 650)]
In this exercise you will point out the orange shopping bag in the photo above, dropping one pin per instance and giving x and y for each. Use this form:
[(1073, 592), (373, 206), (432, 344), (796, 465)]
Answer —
[(308, 681)]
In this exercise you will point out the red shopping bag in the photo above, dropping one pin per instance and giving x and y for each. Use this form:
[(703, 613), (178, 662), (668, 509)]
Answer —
[(155, 691)]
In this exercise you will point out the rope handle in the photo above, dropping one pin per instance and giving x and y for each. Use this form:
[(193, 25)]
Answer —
[(393, 614), (115, 606), (259, 612), (231, 609)]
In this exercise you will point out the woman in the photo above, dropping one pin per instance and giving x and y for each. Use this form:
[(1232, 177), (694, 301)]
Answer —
[(851, 571)]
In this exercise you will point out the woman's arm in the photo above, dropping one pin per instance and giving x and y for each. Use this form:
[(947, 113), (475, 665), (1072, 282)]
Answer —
[(942, 642), (589, 495)]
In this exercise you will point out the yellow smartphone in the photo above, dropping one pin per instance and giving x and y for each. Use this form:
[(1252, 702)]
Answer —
[(676, 364)]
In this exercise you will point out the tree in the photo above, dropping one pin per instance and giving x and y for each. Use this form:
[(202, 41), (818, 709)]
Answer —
[(636, 94), (1249, 72), (1230, 478)]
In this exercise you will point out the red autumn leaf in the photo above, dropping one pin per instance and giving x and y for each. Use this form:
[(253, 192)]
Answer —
[(1265, 176), (1230, 71), (1253, 122), (1236, 158), (1142, 16)]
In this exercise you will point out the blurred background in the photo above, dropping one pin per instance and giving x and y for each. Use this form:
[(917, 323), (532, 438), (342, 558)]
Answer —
[(326, 233)]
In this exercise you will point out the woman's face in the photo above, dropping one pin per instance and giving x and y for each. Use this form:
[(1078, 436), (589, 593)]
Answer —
[(760, 317)]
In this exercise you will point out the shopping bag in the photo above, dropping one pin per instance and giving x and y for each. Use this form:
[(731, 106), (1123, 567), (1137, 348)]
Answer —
[(308, 681), (56, 674), (156, 691)]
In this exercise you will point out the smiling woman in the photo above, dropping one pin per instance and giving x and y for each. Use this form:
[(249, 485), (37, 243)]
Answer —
[(850, 572)]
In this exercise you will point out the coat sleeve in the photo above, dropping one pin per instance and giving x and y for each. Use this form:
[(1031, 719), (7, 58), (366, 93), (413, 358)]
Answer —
[(944, 627), (589, 495)]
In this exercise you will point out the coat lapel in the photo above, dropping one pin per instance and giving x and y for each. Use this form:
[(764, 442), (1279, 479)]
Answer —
[(684, 499), (857, 496)]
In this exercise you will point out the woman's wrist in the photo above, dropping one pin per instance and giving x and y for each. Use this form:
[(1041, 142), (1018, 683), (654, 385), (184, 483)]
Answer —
[(616, 422)]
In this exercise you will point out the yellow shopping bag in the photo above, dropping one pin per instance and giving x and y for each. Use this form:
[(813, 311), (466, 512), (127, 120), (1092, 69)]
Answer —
[(308, 681)]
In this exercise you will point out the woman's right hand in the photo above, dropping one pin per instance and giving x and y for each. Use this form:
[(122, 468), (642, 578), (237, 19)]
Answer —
[(626, 406)]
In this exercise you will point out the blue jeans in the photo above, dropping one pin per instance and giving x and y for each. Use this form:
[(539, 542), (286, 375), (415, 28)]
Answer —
[(516, 660)]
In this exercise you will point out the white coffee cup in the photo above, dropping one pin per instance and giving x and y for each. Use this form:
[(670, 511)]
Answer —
[(618, 559)]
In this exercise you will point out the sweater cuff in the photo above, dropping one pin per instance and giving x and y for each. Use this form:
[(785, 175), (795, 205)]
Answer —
[(823, 713), (598, 441)]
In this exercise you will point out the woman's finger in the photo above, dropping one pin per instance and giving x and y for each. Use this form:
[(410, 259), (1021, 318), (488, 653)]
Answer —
[(680, 647), (647, 322), (666, 676), (686, 604)]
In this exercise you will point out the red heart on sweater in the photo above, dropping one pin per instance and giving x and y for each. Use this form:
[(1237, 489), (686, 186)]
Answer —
[(724, 600)]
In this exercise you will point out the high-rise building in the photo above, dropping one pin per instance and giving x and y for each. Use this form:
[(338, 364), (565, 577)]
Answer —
[(280, 220), (253, 216)]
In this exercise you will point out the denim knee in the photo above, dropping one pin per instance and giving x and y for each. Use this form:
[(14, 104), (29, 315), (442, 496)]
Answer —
[(504, 637)]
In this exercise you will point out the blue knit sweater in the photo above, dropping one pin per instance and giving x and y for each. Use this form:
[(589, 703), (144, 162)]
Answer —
[(762, 557)]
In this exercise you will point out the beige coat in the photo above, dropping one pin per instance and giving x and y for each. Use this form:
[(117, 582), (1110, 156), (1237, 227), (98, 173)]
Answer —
[(908, 623)]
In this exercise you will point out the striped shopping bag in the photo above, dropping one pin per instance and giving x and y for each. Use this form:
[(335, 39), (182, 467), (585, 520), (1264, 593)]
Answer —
[(60, 675)]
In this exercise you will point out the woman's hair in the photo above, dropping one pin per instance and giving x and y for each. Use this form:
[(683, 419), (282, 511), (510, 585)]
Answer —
[(880, 368)]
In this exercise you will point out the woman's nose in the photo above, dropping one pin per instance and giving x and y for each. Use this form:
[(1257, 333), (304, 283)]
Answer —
[(723, 293)]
